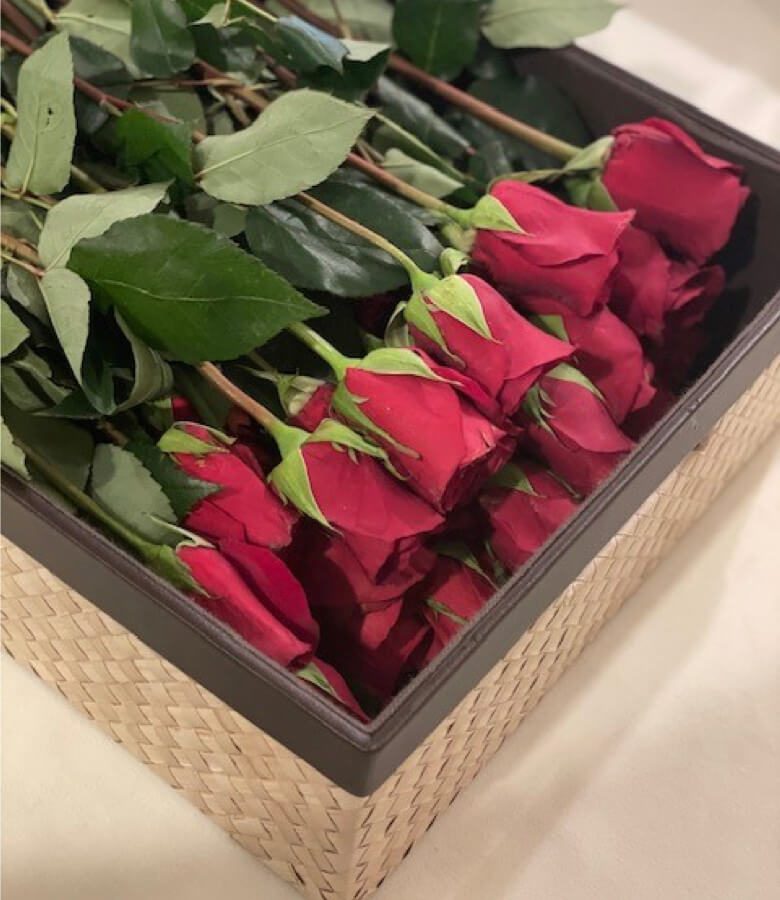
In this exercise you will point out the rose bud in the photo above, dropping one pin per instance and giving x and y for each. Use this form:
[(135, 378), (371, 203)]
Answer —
[(565, 252), (464, 322), (648, 285), (432, 435), (312, 409), (570, 427), (450, 597), (337, 583), (606, 351), (688, 199), (334, 477), (328, 680), (182, 410), (244, 508), (525, 504), (246, 599)]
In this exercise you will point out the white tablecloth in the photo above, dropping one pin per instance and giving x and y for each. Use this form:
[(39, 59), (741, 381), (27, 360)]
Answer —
[(651, 771)]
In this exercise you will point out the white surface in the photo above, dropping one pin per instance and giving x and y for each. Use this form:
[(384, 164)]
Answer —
[(650, 772)]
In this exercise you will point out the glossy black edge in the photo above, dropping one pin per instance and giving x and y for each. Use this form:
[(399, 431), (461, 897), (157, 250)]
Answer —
[(359, 758)]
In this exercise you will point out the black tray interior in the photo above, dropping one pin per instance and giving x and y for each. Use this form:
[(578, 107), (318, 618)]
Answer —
[(746, 336)]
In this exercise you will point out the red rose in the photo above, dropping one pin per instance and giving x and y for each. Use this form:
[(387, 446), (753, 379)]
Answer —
[(565, 252), (334, 477), (606, 350), (467, 324), (570, 427), (686, 198), (182, 410), (245, 508), (313, 409), (449, 598), (525, 505), (246, 599), (433, 437), (648, 286), (328, 680)]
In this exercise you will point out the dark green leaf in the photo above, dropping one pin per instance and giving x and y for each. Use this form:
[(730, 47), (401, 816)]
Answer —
[(103, 70), (160, 41), (369, 19), (537, 102), (152, 377), (102, 22), (231, 49), (315, 253), (13, 332), (544, 23), (227, 304), (21, 220), (211, 406), (28, 382), (183, 491), (25, 289), (440, 36), (364, 63), (126, 488), (418, 117), (420, 174), (10, 454), (158, 150), (183, 104), (308, 47)]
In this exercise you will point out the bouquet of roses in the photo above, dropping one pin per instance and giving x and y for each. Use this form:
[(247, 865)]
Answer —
[(330, 343)]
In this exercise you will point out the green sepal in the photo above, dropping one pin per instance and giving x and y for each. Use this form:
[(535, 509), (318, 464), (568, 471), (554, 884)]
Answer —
[(513, 478), (294, 391), (452, 261), (334, 432), (490, 214), (13, 331), (443, 610), (552, 324), (565, 372), (533, 405), (314, 675), (163, 560), (12, 456), (531, 176), (456, 297), (588, 191), (397, 361), (349, 407), (417, 314), (291, 480), (592, 157), (462, 553), (397, 331), (176, 440), (460, 238)]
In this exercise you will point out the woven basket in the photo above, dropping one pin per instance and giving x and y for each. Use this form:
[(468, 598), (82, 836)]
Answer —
[(325, 841)]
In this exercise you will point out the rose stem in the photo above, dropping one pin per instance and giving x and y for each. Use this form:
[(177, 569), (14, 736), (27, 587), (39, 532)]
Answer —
[(20, 22), (21, 250), (323, 348), (477, 108)]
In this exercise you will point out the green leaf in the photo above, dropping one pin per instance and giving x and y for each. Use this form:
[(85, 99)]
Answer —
[(308, 47), (419, 118), (25, 289), (370, 19), (537, 102), (10, 454), (419, 174), (440, 36), (126, 488), (253, 165), (27, 382), (232, 49), (89, 215), (42, 148), (160, 42), (21, 220), (182, 490), (211, 406), (105, 23), (364, 63), (225, 306), (544, 23), (68, 300), (152, 376), (183, 104), (102, 69), (13, 332), (157, 150), (316, 254), (67, 447)]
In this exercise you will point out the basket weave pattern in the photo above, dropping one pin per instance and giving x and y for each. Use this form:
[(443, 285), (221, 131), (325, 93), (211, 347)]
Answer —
[(331, 845)]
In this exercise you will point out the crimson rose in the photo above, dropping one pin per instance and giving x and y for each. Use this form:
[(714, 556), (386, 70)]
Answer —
[(688, 199), (565, 252)]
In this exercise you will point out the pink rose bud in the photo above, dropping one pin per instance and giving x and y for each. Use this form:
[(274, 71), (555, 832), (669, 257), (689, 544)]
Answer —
[(648, 286), (449, 598), (570, 427), (606, 351), (245, 590), (433, 436), (245, 508), (686, 198), (565, 252), (467, 324), (334, 476), (330, 682), (525, 504)]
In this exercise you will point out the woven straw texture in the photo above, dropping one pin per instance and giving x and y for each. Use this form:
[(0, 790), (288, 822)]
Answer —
[(328, 843)]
